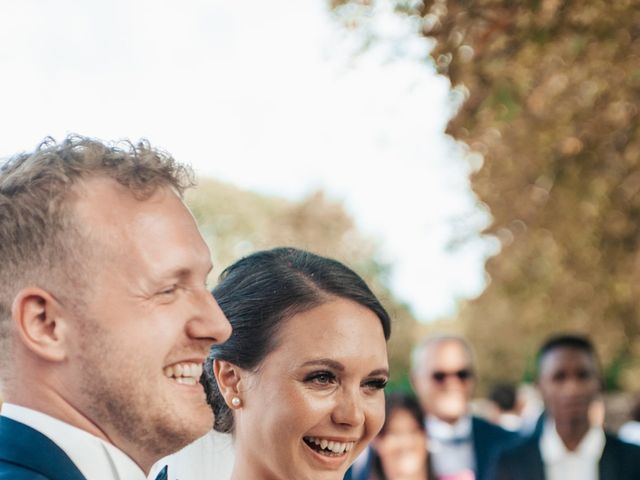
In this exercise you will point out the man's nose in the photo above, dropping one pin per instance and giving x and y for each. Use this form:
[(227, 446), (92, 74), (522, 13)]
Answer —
[(209, 321)]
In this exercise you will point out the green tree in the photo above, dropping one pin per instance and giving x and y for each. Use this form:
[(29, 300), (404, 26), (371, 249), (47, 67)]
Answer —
[(236, 223)]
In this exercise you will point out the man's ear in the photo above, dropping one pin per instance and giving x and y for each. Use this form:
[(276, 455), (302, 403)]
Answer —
[(229, 378), (38, 320), (412, 380)]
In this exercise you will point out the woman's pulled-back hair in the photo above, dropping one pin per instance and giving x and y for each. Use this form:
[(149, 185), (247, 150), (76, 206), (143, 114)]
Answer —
[(258, 292)]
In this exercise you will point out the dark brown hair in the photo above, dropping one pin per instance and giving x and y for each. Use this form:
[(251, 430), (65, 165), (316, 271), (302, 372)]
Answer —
[(259, 292)]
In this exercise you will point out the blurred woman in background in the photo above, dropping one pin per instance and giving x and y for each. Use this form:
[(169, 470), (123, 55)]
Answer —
[(401, 447)]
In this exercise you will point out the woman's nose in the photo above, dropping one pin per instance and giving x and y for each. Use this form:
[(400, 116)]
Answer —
[(349, 408)]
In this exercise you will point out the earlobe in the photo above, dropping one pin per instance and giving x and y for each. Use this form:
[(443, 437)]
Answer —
[(229, 378), (39, 326)]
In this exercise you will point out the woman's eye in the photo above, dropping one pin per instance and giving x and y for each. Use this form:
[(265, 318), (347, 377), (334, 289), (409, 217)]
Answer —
[(376, 384), (321, 378)]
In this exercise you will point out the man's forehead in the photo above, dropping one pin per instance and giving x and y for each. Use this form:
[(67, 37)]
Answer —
[(112, 215), (102, 201), (96, 188), (445, 352), (567, 357)]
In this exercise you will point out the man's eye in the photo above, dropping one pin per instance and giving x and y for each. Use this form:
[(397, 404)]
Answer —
[(168, 290), (583, 375)]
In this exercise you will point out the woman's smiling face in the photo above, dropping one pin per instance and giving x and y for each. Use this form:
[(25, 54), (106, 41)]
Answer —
[(317, 399)]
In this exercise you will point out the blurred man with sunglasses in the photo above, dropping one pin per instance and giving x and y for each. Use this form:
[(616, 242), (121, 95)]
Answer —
[(461, 446)]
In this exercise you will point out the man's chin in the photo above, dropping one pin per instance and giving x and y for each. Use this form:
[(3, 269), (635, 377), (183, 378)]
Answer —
[(452, 415), (197, 426), (184, 426)]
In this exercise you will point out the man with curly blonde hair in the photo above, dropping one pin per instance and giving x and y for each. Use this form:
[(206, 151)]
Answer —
[(105, 317)]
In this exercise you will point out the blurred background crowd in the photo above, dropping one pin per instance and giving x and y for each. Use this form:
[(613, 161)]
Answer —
[(558, 428)]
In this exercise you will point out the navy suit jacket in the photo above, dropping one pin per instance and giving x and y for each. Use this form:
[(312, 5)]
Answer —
[(488, 441), (26, 454), (619, 461)]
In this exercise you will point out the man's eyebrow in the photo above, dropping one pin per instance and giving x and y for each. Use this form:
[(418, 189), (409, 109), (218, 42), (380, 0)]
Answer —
[(183, 272)]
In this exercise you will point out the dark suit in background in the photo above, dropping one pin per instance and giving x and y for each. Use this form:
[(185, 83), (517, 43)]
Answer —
[(619, 461), (488, 441), (26, 454)]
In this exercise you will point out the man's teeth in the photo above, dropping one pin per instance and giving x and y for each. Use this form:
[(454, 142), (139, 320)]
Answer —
[(335, 447), (184, 373)]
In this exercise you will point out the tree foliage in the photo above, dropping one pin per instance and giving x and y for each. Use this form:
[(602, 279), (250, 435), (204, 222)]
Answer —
[(552, 92), (236, 223)]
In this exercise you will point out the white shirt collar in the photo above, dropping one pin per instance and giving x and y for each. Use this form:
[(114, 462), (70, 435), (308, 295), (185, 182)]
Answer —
[(451, 446), (553, 449), (95, 458), (444, 431)]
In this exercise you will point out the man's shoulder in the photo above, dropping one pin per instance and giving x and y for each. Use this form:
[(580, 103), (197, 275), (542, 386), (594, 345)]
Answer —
[(484, 428), (12, 451), (521, 460), (489, 441), (522, 447), (25, 453), (616, 441), (620, 460), (617, 447), (11, 471)]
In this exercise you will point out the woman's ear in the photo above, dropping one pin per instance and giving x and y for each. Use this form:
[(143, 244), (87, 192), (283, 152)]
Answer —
[(39, 322), (229, 378)]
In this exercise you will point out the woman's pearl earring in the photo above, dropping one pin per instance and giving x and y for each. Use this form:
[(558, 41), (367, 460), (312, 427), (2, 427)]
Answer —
[(236, 402)]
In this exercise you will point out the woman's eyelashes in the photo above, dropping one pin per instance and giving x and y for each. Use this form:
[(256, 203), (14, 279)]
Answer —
[(327, 378), (320, 378), (376, 383)]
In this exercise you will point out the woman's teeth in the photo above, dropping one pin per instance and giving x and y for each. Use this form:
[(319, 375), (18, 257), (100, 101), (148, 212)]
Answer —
[(184, 373), (323, 445)]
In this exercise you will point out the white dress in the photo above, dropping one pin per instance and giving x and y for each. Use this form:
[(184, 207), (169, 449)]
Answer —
[(208, 458)]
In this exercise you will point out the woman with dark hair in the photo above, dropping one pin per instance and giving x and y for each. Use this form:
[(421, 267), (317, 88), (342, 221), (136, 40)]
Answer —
[(400, 449), (299, 384)]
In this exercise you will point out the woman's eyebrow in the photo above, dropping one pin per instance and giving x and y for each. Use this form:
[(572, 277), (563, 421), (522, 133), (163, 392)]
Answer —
[(325, 362)]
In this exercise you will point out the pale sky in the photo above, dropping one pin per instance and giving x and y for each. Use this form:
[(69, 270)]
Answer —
[(271, 96)]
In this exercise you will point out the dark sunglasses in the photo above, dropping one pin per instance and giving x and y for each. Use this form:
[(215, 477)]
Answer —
[(463, 375)]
